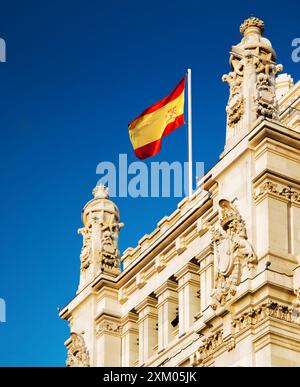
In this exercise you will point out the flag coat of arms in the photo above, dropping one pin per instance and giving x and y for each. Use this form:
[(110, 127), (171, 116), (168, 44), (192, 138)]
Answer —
[(148, 129)]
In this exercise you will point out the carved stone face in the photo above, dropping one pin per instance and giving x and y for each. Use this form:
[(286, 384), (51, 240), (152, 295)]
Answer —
[(107, 241)]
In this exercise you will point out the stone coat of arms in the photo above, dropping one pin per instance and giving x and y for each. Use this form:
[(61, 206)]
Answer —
[(232, 252)]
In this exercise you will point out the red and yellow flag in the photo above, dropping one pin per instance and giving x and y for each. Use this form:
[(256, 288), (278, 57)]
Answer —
[(147, 130)]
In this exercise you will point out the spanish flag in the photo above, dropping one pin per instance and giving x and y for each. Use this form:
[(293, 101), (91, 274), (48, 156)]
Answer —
[(147, 130)]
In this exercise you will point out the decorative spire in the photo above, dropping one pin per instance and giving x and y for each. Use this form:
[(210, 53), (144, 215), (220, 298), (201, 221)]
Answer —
[(251, 82), (252, 22), (99, 253)]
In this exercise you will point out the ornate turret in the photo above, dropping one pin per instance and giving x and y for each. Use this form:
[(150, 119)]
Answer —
[(251, 81), (99, 252)]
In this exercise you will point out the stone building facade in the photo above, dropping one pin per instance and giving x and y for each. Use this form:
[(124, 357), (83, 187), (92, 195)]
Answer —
[(217, 283)]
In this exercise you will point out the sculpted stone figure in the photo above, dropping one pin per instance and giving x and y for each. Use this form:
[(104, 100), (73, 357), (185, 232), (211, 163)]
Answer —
[(251, 81), (110, 256), (86, 247), (234, 107), (232, 252), (234, 82), (265, 102)]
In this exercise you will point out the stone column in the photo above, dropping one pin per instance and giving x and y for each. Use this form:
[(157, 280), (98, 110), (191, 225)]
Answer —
[(130, 333), (206, 272), (188, 288), (272, 216), (167, 307), (147, 325), (108, 334)]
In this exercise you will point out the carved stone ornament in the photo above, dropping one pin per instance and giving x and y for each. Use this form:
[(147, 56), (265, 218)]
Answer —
[(77, 353), (265, 102), (205, 351), (268, 309), (251, 80), (100, 234), (109, 327), (252, 22), (269, 187), (235, 106), (266, 70), (109, 255), (232, 252), (85, 255)]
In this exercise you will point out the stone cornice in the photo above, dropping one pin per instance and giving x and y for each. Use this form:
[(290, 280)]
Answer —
[(166, 286), (189, 268), (276, 132), (268, 174), (148, 302), (129, 317)]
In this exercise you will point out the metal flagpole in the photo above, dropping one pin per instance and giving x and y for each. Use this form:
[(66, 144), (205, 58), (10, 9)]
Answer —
[(190, 141)]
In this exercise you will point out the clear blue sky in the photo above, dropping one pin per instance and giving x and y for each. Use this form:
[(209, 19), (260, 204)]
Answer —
[(76, 73)]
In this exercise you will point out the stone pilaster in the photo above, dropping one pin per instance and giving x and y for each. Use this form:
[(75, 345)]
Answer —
[(206, 272), (188, 289), (108, 334), (167, 307), (130, 334), (147, 323)]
